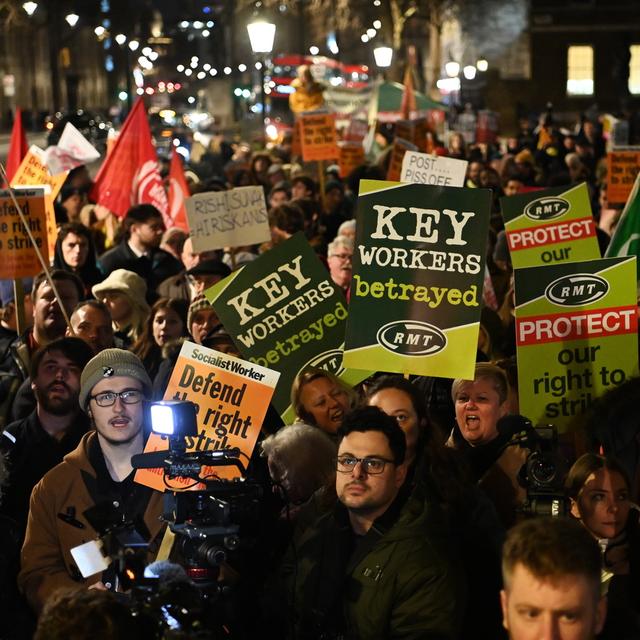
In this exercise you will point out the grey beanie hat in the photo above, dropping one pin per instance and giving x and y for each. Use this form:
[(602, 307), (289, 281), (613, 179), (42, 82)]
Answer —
[(109, 364)]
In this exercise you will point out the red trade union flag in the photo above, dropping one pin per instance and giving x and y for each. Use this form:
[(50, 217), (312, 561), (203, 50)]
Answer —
[(18, 146), (129, 175), (408, 104), (178, 193)]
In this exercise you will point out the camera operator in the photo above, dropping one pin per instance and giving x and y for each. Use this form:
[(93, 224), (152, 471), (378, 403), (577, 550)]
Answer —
[(113, 386), (479, 404)]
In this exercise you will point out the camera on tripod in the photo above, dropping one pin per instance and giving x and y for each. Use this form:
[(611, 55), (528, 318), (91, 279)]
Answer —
[(209, 522)]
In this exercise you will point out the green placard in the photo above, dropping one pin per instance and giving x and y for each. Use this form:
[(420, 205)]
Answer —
[(549, 227), (418, 272), (576, 335), (284, 312)]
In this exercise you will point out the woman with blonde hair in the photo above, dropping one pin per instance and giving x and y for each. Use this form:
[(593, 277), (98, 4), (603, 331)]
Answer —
[(321, 399)]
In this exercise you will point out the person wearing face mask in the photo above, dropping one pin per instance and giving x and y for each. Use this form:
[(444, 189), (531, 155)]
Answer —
[(479, 404), (600, 494), (321, 399)]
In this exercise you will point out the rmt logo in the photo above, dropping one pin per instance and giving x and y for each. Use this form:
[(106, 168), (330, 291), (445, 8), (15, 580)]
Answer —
[(547, 208), (411, 338), (576, 290)]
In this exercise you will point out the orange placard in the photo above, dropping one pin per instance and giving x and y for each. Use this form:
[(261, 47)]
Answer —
[(32, 172), (622, 169), (400, 147), (232, 396), (19, 259), (318, 137), (351, 156)]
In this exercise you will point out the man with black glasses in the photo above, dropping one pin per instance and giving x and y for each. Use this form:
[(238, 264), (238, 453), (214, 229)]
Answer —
[(113, 386), (372, 568)]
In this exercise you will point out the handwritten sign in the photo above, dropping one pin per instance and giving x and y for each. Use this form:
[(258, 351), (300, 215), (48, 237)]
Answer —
[(429, 169), (228, 218)]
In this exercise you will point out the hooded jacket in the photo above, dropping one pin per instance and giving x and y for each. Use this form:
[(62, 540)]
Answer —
[(56, 522), (395, 582)]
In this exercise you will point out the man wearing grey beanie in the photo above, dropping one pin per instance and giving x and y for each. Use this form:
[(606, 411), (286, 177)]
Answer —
[(113, 386)]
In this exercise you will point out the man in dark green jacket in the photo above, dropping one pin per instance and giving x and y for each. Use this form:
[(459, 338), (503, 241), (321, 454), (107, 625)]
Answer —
[(370, 569)]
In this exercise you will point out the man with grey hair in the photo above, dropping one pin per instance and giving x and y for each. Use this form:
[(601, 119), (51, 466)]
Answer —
[(301, 460), (339, 256)]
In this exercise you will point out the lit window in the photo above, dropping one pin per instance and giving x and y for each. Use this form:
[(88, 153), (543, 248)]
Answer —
[(634, 69), (580, 71)]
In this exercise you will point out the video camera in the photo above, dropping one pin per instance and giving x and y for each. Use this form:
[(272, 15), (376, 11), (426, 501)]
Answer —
[(210, 523), (542, 475)]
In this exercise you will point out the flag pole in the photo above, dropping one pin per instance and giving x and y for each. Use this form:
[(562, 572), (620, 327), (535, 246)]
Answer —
[(43, 262)]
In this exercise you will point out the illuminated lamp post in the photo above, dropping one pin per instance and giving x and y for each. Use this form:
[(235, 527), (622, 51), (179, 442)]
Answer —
[(261, 36)]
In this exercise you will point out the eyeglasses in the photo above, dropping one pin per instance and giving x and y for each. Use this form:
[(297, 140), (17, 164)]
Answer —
[(371, 466), (108, 398), (342, 256)]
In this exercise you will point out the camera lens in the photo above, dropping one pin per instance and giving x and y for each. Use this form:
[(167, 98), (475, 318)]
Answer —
[(543, 472)]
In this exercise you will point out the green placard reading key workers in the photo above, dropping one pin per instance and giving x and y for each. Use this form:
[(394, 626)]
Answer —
[(417, 278), (549, 227), (284, 312), (576, 335)]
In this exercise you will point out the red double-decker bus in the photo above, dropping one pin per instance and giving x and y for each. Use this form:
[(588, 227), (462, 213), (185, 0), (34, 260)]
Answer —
[(326, 70)]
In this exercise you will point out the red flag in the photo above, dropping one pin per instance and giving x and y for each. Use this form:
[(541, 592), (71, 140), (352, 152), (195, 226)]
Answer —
[(18, 146), (178, 192), (408, 104), (129, 175)]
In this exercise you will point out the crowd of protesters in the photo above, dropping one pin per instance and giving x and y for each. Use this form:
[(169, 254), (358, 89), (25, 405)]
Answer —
[(392, 500)]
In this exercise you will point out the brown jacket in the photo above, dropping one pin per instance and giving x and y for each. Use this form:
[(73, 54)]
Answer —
[(46, 561)]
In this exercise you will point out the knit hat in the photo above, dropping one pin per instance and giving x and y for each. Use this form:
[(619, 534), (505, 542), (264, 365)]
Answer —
[(127, 282), (199, 302), (109, 364)]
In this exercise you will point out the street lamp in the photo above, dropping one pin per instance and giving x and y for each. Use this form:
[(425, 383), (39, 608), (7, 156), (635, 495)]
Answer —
[(452, 68), (482, 65), (30, 7), (261, 36), (383, 56), (469, 72), (72, 19)]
